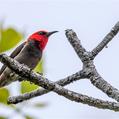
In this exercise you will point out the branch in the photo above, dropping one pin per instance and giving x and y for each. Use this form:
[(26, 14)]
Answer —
[(89, 66), (89, 71), (105, 41), (104, 86), (37, 79), (76, 44), (74, 77)]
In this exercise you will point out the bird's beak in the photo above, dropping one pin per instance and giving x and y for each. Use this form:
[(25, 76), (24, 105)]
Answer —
[(50, 33)]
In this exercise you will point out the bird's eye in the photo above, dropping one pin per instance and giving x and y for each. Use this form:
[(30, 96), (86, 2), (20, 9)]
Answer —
[(42, 33)]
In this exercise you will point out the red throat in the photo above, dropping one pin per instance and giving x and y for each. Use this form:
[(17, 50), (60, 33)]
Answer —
[(42, 40)]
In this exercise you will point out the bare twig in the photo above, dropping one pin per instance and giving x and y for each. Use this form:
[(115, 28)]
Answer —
[(106, 40), (74, 77), (89, 71), (76, 44), (88, 64), (79, 98), (103, 85), (37, 79)]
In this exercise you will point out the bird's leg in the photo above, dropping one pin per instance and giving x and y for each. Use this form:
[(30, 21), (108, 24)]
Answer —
[(40, 73)]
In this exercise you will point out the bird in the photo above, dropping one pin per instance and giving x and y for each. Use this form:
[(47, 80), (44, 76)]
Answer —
[(28, 53)]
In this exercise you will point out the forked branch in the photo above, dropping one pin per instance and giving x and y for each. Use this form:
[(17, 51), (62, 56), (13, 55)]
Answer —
[(88, 71)]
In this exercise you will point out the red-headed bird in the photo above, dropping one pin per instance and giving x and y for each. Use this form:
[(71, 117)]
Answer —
[(28, 53)]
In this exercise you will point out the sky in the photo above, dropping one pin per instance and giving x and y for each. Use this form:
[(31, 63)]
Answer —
[(91, 20)]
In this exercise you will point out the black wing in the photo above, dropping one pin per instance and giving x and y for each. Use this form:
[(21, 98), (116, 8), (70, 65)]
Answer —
[(13, 54)]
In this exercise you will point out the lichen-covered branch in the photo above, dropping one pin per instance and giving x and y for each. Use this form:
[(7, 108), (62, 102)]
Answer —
[(104, 86), (89, 71), (76, 44), (106, 40), (89, 66), (79, 98), (31, 76), (74, 77)]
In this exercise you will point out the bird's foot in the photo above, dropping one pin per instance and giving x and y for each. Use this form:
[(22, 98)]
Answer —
[(40, 73)]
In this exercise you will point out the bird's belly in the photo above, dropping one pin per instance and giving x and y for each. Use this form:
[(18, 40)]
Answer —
[(30, 60), (7, 77)]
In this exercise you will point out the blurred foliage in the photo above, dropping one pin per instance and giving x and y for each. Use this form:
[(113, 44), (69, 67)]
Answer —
[(26, 86), (28, 117), (39, 105), (4, 94), (39, 67), (9, 38), (1, 117)]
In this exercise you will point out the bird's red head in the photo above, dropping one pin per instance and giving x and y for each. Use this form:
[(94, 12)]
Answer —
[(42, 37)]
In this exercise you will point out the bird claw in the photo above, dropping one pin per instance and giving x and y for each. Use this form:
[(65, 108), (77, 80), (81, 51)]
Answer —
[(40, 73), (106, 46)]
